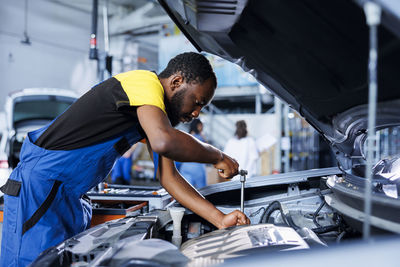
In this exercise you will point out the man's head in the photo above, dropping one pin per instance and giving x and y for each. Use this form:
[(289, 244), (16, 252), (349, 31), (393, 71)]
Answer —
[(241, 129), (189, 83)]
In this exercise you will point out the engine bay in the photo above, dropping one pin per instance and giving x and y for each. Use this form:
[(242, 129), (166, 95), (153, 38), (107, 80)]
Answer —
[(284, 216)]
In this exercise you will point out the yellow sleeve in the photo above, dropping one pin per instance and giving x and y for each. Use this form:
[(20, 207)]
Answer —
[(142, 88)]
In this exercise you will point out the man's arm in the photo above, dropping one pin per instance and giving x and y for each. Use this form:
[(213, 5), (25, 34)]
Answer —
[(177, 145), (186, 195)]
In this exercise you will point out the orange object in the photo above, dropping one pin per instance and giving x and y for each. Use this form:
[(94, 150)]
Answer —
[(142, 59), (102, 215), (1, 212), (99, 219)]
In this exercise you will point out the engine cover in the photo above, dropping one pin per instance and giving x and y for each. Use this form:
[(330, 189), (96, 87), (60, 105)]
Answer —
[(237, 241)]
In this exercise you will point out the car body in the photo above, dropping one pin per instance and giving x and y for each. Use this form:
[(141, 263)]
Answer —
[(27, 110), (314, 56), (5, 170)]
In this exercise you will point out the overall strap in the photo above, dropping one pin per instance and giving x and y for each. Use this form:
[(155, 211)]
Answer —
[(11, 188), (42, 209)]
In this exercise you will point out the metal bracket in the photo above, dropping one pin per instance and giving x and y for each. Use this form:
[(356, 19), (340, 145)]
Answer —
[(293, 190)]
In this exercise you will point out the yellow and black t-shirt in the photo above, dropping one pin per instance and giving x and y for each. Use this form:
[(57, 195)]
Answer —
[(105, 111)]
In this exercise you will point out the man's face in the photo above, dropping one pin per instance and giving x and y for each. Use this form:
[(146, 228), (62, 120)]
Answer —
[(174, 107), (187, 101)]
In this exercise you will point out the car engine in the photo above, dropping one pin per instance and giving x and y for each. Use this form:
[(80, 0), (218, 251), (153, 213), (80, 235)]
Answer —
[(287, 212)]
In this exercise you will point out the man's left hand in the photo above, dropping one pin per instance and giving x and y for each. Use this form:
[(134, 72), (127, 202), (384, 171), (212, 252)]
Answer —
[(227, 166)]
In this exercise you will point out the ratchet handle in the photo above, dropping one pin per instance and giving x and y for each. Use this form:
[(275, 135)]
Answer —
[(243, 174)]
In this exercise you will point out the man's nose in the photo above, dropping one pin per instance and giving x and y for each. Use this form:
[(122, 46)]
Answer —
[(196, 112)]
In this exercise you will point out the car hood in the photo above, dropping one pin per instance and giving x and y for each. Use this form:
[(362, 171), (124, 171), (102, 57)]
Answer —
[(311, 54)]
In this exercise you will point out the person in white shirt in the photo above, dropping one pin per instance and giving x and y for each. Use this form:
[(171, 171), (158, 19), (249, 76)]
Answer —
[(243, 148)]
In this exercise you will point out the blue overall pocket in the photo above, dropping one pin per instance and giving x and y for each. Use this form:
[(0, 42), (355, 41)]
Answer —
[(11, 190), (11, 208), (37, 236), (42, 209)]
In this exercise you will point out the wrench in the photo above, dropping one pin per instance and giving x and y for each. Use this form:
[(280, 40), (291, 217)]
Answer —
[(242, 174)]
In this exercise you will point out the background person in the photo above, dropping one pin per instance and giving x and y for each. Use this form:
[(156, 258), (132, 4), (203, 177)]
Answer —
[(195, 173), (243, 148), (122, 170)]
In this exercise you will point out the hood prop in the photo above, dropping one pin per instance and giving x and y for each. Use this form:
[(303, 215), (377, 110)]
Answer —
[(373, 16)]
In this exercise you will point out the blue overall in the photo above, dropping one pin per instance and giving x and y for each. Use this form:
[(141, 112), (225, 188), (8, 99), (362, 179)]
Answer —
[(48, 208)]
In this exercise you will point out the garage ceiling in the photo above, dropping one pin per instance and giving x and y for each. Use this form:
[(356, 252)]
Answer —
[(126, 16), (116, 7)]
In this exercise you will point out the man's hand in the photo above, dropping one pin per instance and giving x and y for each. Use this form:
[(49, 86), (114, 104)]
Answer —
[(234, 218), (227, 167)]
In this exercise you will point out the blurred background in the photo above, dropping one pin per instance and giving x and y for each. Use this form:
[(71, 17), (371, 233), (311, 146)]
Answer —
[(75, 44)]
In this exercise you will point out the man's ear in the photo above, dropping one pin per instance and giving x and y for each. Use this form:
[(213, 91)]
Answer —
[(176, 81)]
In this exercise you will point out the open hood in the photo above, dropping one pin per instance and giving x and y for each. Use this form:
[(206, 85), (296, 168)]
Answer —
[(312, 54)]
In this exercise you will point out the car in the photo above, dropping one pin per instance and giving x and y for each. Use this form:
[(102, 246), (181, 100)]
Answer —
[(314, 55), (27, 110), (5, 170), (30, 109)]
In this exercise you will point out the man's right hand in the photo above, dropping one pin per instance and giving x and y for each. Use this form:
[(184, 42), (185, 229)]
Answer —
[(234, 218), (227, 167)]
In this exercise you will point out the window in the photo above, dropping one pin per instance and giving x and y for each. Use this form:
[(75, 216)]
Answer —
[(39, 108)]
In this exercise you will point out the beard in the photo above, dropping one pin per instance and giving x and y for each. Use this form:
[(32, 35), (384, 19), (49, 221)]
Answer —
[(174, 107)]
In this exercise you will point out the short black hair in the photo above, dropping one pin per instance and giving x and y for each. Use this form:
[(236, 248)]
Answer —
[(241, 129), (192, 66)]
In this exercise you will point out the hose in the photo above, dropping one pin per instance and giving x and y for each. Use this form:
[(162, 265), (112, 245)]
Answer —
[(276, 205), (287, 219), (325, 229), (340, 237), (268, 211), (316, 213)]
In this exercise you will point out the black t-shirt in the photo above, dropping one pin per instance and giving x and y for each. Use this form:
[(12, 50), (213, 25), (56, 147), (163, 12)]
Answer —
[(105, 111)]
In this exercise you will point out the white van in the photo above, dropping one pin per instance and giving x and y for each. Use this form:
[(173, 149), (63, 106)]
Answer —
[(4, 166), (27, 110)]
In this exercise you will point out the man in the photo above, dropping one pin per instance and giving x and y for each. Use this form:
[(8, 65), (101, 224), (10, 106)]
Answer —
[(243, 148), (62, 161)]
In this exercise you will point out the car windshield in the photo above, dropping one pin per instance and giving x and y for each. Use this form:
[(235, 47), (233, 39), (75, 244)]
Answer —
[(43, 107)]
